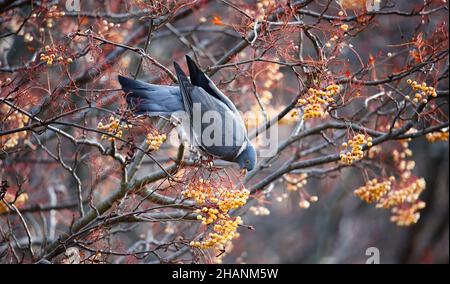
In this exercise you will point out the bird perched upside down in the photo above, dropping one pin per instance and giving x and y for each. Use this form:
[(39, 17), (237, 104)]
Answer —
[(210, 120)]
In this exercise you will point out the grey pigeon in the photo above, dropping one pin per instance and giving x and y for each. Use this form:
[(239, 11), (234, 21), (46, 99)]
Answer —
[(214, 125)]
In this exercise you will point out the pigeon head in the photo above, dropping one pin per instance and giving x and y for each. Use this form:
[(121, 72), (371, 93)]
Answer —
[(247, 159)]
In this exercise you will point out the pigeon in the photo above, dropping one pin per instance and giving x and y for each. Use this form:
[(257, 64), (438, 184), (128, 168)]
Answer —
[(212, 122)]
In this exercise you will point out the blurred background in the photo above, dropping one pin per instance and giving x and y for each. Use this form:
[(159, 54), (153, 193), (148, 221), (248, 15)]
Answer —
[(340, 227)]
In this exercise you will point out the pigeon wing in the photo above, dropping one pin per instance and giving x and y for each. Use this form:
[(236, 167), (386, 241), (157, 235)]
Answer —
[(200, 79)]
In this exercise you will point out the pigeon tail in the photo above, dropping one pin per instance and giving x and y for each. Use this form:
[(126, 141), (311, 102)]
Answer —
[(150, 99)]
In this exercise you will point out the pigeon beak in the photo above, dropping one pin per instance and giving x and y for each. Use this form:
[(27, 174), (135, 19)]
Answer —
[(244, 171)]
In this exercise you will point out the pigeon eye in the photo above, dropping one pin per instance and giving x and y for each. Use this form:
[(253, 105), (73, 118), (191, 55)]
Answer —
[(247, 162)]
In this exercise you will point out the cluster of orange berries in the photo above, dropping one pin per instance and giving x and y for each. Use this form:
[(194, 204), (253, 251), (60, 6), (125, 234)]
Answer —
[(17, 119), (424, 92), (401, 195), (52, 54), (314, 105), (154, 140), (224, 232), (404, 200), (356, 152), (437, 136), (408, 193), (216, 204), (209, 215), (373, 190), (19, 201), (114, 128), (408, 215)]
